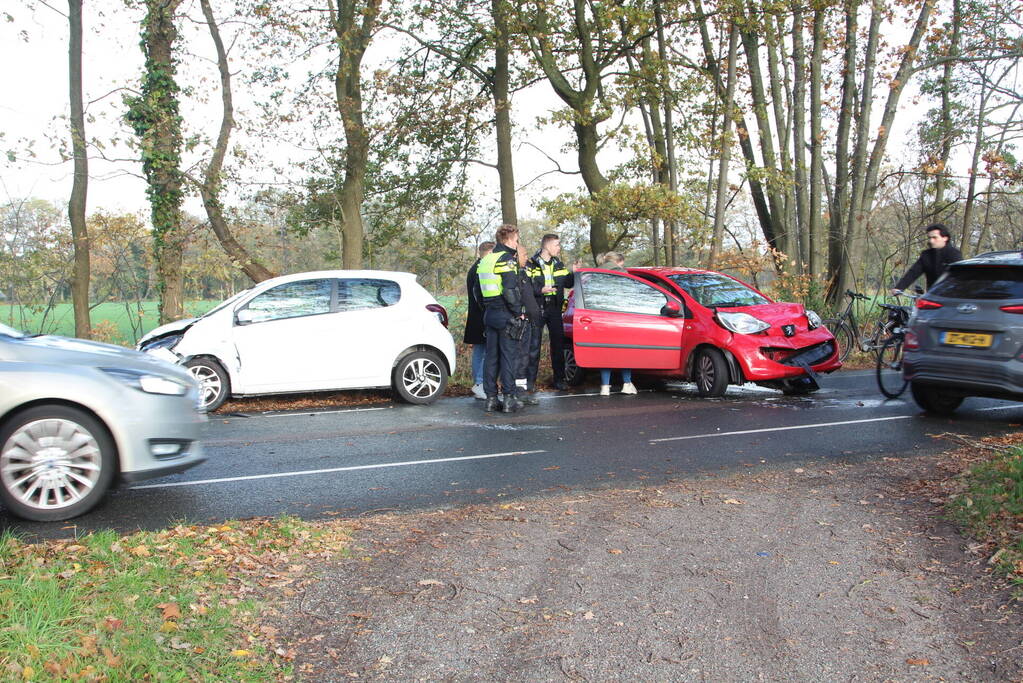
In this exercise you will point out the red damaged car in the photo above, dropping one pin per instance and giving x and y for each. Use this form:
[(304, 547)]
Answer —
[(693, 324)]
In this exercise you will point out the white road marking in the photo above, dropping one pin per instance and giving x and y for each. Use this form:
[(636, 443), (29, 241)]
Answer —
[(299, 473), (782, 429), (301, 414)]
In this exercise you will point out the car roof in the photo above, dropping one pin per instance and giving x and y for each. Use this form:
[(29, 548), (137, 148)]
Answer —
[(993, 258), (395, 275), (672, 270)]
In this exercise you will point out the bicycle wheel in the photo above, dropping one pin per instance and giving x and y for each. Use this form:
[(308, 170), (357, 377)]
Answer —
[(889, 368), (843, 335)]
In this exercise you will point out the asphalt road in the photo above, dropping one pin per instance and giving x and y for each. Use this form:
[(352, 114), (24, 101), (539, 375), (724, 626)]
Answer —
[(396, 457)]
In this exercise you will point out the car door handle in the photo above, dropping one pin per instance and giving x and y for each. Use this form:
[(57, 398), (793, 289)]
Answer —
[(586, 320)]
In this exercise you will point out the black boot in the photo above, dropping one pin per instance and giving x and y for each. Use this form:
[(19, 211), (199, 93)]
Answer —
[(560, 385), (492, 404), (512, 404)]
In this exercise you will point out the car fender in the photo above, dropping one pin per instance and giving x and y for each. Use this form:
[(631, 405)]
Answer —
[(65, 385), (734, 369), (211, 337)]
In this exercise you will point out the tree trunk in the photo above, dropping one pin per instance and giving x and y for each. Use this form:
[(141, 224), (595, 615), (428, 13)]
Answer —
[(799, 136), (816, 146), (155, 118), (947, 137), (209, 188), (721, 199), (353, 27), (80, 186), (838, 256), (766, 136), (502, 113), (671, 251)]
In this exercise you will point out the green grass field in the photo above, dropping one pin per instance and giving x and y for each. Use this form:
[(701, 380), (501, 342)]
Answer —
[(119, 323)]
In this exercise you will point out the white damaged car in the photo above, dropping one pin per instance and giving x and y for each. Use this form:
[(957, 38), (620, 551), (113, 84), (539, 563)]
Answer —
[(318, 331)]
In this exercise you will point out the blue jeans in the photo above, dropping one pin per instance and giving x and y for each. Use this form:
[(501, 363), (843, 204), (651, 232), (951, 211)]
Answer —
[(605, 376), (479, 353)]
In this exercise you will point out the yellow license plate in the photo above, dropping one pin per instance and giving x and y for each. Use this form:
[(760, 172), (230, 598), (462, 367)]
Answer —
[(967, 339)]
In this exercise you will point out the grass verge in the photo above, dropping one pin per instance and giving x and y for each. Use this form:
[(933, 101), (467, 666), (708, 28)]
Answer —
[(988, 504), (179, 604)]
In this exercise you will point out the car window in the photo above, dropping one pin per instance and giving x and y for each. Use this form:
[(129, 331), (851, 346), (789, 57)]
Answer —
[(607, 292), (356, 294), (980, 282), (291, 300), (714, 290)]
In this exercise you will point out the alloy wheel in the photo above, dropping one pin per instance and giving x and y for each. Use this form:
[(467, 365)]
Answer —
[(50, 464), (210, 385), (422, 378)]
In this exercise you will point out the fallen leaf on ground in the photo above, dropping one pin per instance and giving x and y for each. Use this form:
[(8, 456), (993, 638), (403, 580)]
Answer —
[(170, 610), (615, 551), (430, 582), (733, 501), (918, 662)]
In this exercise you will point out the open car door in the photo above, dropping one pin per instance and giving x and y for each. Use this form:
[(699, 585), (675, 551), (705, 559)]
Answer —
[(621, 321)]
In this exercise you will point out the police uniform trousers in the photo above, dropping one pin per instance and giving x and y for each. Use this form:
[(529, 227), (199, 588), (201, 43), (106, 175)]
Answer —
[(502, 351), (550, 317)]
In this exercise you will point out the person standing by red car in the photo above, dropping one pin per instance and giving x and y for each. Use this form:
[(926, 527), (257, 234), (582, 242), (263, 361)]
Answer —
[(474, 322)]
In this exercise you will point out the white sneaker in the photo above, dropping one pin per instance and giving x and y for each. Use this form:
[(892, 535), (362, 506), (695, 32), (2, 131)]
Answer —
[(628, 388), (605, 389), (477, 391)]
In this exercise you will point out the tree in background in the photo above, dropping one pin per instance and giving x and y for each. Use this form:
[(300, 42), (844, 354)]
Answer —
[(80, 186), (154, 117)]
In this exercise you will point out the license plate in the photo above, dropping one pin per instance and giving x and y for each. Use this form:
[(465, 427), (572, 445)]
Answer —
[(967, 339)]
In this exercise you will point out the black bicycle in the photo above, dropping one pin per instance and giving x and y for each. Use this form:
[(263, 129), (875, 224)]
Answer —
[(847, 330), (889, 355)]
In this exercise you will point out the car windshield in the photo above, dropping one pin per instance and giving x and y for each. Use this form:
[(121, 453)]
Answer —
[(10, 331), (717, 291), (226, 302), (980, 282)]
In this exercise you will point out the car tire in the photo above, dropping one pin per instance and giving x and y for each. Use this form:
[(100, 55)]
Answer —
[(419, 378), (934, 400), (75, 449), (214, 384), (710, 372), (574, 375)]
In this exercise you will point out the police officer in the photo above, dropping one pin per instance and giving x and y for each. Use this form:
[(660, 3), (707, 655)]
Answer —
[(502, 304), (551, 278), (530, 301)]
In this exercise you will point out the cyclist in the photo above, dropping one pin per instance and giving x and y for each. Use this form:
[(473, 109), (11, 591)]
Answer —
[(933, 261)]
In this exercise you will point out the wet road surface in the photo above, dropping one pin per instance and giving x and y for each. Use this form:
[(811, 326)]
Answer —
[(395, 457)]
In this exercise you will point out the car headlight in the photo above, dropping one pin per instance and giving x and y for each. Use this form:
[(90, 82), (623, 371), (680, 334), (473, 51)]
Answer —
[(813, 319), (168, 342), (741, 323), (151, 384)]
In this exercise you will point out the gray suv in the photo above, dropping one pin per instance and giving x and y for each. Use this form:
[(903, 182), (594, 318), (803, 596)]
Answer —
[(965, 337), (77, 416)]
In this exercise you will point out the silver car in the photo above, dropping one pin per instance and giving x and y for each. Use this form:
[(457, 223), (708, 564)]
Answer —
[(966, 335), (77, 416)]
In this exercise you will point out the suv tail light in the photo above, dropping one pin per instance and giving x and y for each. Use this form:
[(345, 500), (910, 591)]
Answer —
[(440, 312), (911, 342), (1015, 308), (927, 304)]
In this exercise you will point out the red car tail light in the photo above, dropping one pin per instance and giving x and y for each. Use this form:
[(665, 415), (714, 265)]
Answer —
[(440, 311), (927, 304), (911, 341), (1016, 308)]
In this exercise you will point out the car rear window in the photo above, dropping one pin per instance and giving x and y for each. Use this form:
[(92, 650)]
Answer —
[(980, 282), (713, 290), (356, 294)]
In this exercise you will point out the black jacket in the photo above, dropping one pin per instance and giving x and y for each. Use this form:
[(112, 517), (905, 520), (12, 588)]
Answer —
[(931, 264), (511, 296), (474, 313), (561, 282), (530, 296)]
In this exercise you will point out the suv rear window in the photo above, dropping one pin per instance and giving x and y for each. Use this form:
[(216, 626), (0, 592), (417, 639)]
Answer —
[(980, 282)]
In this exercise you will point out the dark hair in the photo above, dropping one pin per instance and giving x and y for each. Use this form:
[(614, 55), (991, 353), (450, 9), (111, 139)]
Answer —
[(484, 249), (504, 232), (940, 227), (547, 238)]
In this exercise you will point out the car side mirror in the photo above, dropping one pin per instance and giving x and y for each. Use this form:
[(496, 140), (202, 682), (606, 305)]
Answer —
[(243, 317), (672, 309)]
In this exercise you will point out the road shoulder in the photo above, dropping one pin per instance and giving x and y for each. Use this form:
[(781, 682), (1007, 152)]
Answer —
[(804, 573)]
